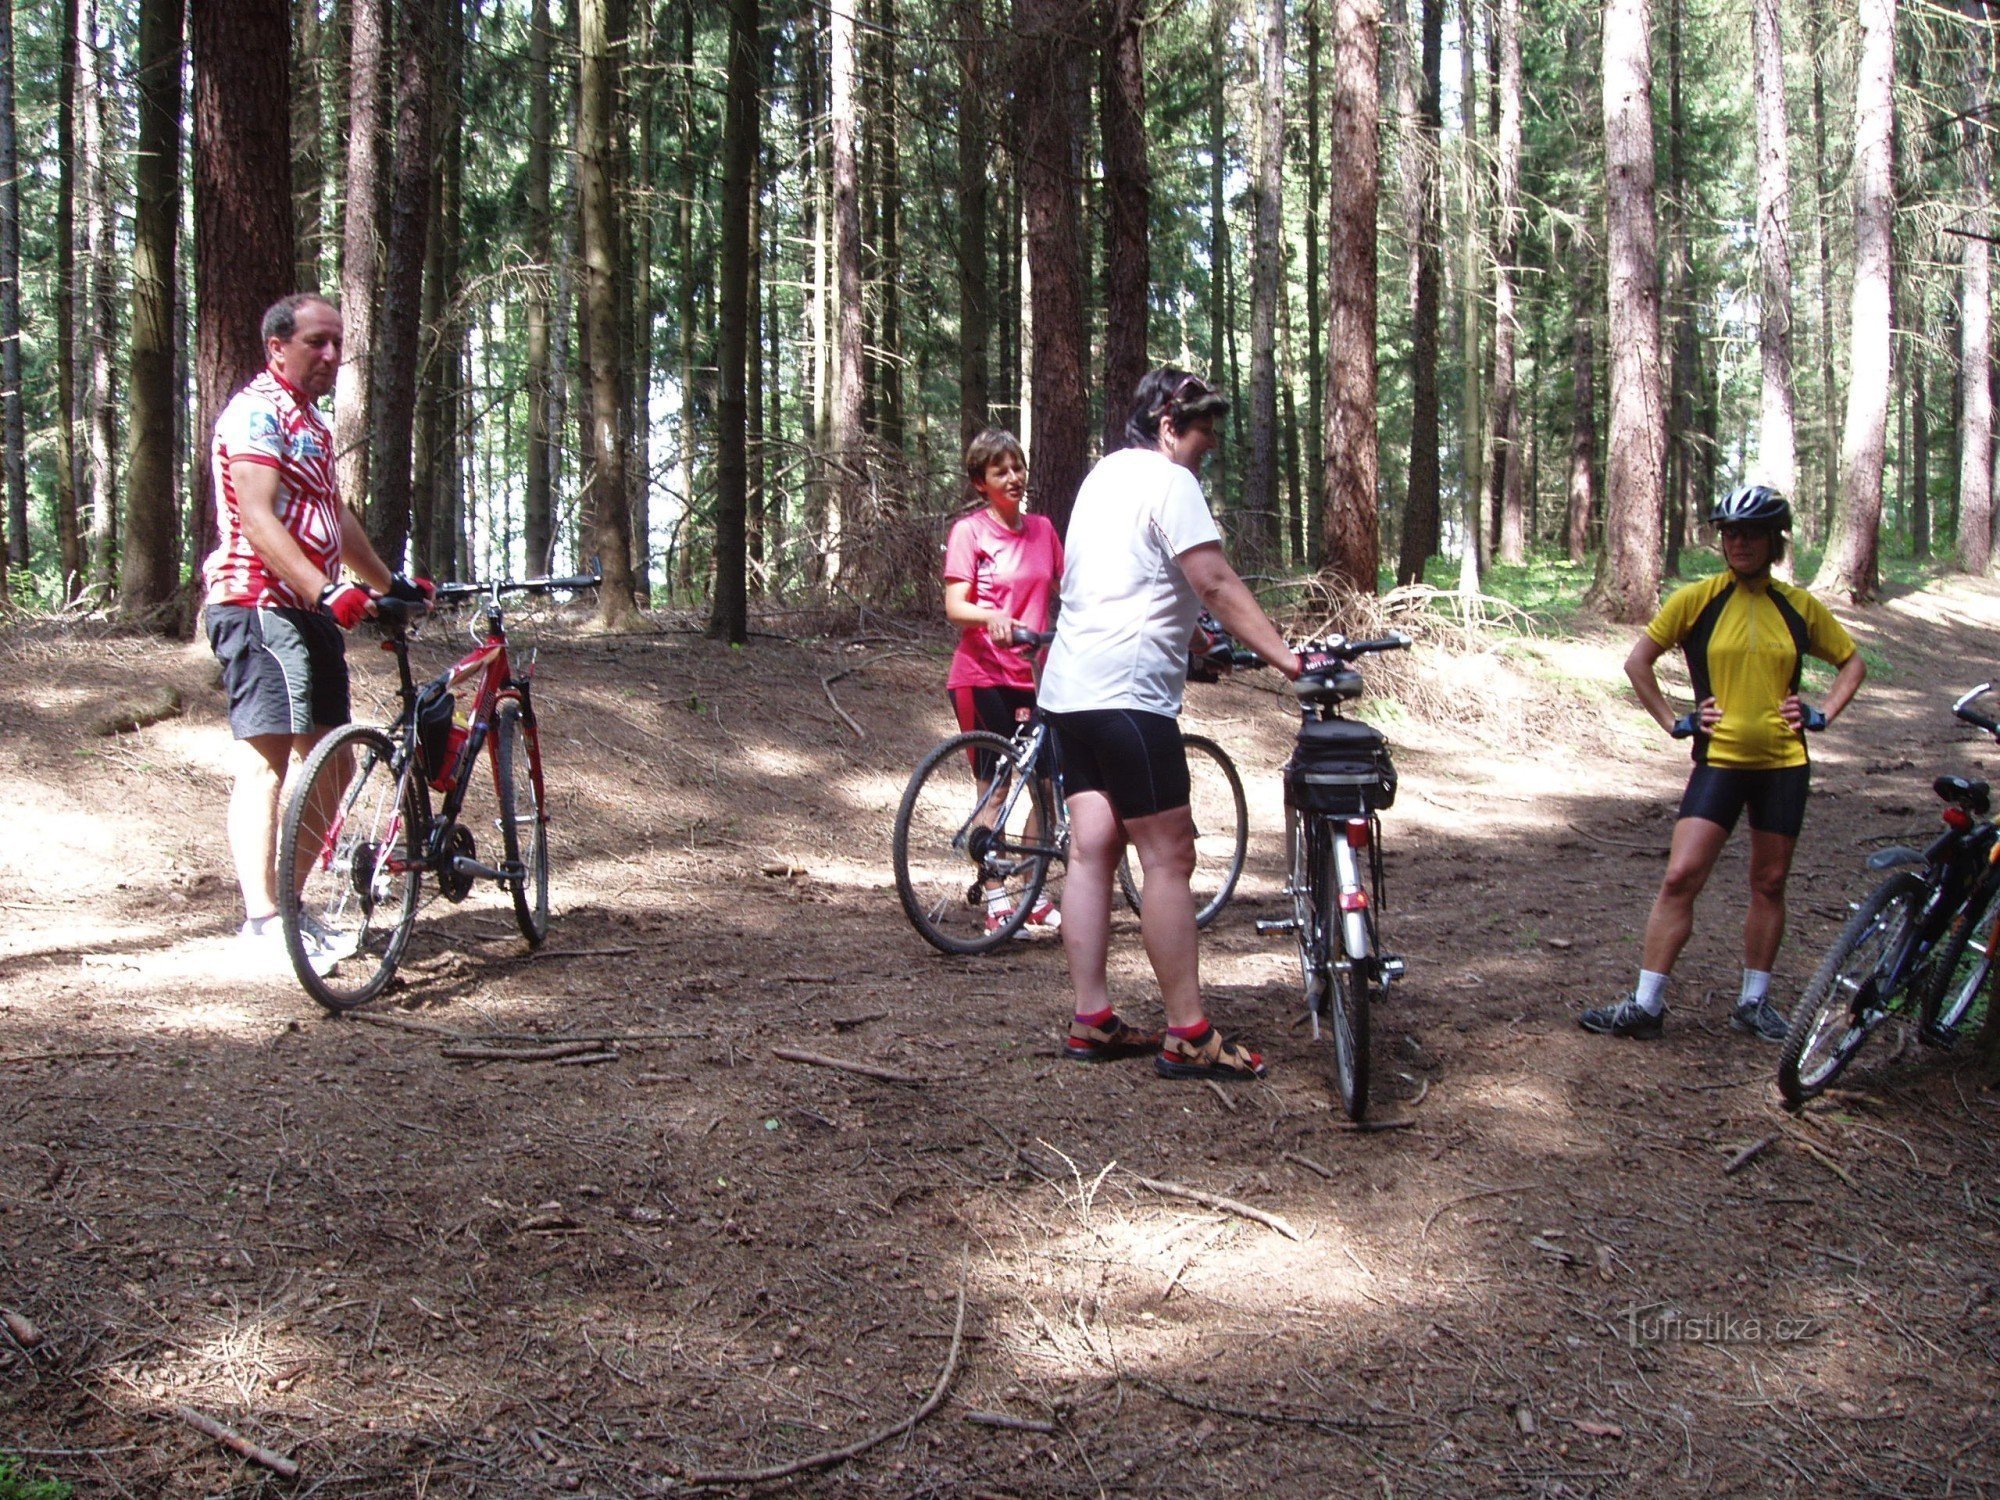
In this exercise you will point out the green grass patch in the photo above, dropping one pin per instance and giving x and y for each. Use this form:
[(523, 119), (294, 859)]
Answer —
[(15, 1485)]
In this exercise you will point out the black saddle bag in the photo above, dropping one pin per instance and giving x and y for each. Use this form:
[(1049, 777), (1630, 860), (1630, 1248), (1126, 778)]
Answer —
[(1340, 766)]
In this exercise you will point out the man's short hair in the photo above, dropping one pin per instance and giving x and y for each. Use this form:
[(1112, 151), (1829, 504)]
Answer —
[(1174, 396), (281, 318), (992, 445)]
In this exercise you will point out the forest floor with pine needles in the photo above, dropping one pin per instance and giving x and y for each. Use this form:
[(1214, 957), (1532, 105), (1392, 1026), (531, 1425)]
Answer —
[(410, 1274)]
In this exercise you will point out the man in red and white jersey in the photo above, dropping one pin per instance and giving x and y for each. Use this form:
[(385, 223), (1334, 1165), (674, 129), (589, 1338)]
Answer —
[(276, 602)]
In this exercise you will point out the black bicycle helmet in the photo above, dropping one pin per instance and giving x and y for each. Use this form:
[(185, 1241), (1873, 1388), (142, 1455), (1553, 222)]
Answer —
[(1752, 505)]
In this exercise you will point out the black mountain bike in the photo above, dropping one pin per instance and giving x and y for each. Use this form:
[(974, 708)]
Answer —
[(1337, 783), (1921, 942)]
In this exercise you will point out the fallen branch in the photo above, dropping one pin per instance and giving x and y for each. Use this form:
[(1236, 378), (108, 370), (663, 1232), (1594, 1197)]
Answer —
[(1369, 1127), (1222, 1094), (72, 1055), (277, 1463), (859, 1446), (1598, 838), (582, 952), (826, 683), (1308, 1163), (1822, 1158), (477, 1038), (24, 1333), (1216, 1200), (1747, 1155), (1012, 1424), (1450, 1203), (522, 1054), (585, 1059), (867, 1070)]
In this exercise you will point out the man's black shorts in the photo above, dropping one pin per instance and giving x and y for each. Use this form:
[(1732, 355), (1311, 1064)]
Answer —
[(1776, 799), (285, 670), (1136, 759)]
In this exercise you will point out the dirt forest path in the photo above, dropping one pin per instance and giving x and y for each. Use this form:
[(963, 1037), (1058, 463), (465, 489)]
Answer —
[(415, 1275)]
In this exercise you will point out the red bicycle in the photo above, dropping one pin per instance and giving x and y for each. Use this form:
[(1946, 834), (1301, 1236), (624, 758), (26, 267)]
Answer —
[(362, 828)]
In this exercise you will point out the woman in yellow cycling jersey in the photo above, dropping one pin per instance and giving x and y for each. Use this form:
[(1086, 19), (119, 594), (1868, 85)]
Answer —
[(1746, 636)]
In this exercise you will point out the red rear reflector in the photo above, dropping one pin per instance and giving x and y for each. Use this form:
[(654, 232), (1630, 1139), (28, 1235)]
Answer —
[(1957, 819), (1357, 833), (1355, 900)]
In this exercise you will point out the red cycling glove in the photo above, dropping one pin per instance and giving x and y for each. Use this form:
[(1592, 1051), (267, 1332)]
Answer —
[(348, 603)]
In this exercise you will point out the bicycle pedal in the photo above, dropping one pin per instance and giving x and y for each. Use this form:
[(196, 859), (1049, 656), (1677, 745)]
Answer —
[(1267, 926), (1391, 966)]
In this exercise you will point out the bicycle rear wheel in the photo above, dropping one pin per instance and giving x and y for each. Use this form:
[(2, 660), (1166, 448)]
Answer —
[(351, 848), (524, 819), (1351, 985), (971, 860), (1851, 993), (1964, 961), (1221, 831)]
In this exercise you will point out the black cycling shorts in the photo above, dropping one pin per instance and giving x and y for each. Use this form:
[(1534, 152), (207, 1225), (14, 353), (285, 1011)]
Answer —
[(997, 710), (1136, 759), (1776, 799), (285, 670)]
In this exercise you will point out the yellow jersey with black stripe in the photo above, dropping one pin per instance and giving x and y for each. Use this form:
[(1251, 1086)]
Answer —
[(1746, 643)]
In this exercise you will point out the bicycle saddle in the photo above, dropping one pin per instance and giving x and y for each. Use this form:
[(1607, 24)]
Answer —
[(1974, 796), (1329, 684)]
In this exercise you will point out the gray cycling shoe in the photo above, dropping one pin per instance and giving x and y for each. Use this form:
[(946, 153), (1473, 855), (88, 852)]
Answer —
[(1761, 1019), (1627, 1018)]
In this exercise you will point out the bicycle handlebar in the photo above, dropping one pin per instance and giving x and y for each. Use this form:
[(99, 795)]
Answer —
[(1963, 709), (450, 591)]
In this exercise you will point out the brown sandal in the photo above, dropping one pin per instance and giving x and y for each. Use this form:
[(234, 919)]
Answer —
[(1215, 1056), (1113, 1040)]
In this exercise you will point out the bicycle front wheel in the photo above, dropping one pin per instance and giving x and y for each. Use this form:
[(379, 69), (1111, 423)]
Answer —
[(1221, 831), (972, 844), (351, 849), (1965, 961), (1851, 993), (524, 818)]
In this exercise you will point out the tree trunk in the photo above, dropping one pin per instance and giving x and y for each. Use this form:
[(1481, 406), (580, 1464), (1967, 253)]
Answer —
[(1678, 304), (753, 365), (1849, 565), (1424, 230), (360, 257), (598, 88), (1472, 425), (102, 311), (1627, 586), (69, 549), (244, 252), (1260, 474), (689, 173), (892, 416), (1975, 313), (1579, 512), (846, 435), (151, 565), (403, 280), (538, 298), (1050, 130), (1829, 394), (975, 287), (1315, 519), (308, 140), (729, 616), (1128, 188), (1350, 447), (1219, 51), (1777, 462), (1505, 422), (13, 421)]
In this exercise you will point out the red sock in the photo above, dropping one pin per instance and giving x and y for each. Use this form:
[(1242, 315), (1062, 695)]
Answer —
[(1101, 1019), (1192, 1033)]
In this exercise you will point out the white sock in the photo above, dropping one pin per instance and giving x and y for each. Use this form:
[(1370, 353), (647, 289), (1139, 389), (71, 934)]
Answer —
[(1651, 992), (1756, 985)]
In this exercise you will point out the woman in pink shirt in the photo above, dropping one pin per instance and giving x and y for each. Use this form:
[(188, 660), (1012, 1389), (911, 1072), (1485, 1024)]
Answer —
[(1002, 570)]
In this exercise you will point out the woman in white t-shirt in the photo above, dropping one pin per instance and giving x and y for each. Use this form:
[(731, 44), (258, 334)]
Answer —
[(1142, 559)]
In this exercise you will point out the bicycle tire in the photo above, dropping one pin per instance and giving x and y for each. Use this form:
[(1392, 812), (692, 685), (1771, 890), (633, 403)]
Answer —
[(1845, 1001), (949, 875), (1348, 993), (1222, 831), (338, 881), (1964, 961), (517, 784)]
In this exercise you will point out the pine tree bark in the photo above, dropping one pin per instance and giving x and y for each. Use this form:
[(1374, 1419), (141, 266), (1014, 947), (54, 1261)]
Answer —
[(360, 254), (1678, 301), (1353, 170), (1849, 565), (308, 140), (1128, 189), (1424, 228), (597, 91), (1975, 310), (1219, 305), (975, 286), (1777, 459), (150, 572), (729, 615), (1314, 216), (13, 419), (69, 547), (101, 310), (1472, 424), (1052, 50), (1821, 524), (1627, 586), (892, 416), (1505, 418), (1580, 509), (1260, 539), (538, 297), (245, 254), (847, 436), (403, 279)]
